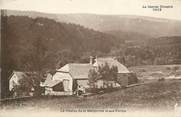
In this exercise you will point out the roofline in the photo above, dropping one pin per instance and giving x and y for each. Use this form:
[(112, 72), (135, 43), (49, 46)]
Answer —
[(11, 75), (124, 72), (79, 63), (80, 78), (62, 71), (67, 73), (72, 76), (53, 85), (14, 71)]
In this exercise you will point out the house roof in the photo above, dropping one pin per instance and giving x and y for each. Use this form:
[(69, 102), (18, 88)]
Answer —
[(111, 62), (50, 81), (77, 70), (62, 75), (20, 75)]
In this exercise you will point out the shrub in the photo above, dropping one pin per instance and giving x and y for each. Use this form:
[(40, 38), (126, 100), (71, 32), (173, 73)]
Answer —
[(161, 79)]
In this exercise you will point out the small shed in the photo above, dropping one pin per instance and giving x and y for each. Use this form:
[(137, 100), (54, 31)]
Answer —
[(15, 81)]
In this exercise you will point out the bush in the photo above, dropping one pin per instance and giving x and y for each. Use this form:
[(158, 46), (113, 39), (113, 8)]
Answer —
[(161, 79)]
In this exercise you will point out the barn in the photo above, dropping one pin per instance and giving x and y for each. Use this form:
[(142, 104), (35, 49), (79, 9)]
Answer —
[(71, 76)]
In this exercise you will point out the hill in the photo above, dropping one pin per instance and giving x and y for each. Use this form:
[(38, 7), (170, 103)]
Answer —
[(167, 47), (52, 42), (152, 27), (157, 51), (165, 41), (73, 37)]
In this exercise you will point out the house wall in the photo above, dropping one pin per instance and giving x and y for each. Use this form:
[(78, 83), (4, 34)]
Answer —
[(61, 77), (49, 91), (127, 78), (123, 79), (132, 78), (13, 81), (113, 84), (67, 84), (106, 84), (99, 84), (83, 83)]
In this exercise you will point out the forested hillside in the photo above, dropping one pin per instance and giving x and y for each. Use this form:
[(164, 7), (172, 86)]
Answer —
[(45, 44), (166, 49), (50, 44)]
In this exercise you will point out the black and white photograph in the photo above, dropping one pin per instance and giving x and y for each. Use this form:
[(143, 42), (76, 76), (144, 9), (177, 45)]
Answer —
[(90, 58)]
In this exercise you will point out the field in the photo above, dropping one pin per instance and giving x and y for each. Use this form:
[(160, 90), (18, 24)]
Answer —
[(155, 72), (155, 96)]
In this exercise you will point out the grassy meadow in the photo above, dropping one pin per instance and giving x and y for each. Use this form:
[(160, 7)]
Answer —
[(155, 95)]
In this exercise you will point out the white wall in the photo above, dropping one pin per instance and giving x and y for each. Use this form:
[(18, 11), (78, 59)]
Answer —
[(64, 76), (13, 81)]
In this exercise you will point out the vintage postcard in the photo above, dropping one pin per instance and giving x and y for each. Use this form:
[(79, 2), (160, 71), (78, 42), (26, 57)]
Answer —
[(90, 58)]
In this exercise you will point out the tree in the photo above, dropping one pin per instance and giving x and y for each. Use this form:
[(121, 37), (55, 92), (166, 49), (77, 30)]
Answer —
[(63, 57), (104, 72), (36, 62), (93, 77), (114, 73)]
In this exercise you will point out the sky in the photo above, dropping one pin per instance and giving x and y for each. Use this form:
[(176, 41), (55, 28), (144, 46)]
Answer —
[(118, 7)]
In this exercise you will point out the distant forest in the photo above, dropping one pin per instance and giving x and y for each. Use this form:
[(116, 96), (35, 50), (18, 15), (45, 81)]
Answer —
[(45, 45)]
